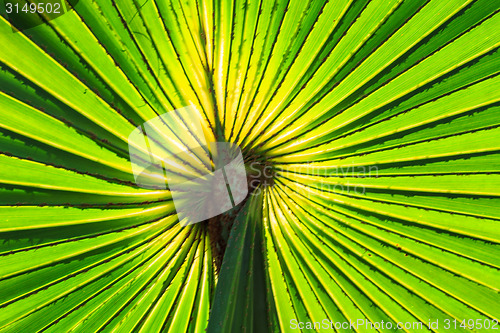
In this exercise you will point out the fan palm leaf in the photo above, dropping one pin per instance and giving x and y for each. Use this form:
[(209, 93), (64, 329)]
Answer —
[(376, 121)]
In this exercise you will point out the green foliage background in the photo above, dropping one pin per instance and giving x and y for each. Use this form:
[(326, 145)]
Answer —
[(310, 87)]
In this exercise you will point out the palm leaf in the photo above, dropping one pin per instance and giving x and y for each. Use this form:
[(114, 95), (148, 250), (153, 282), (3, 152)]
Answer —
[(377, 120)]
